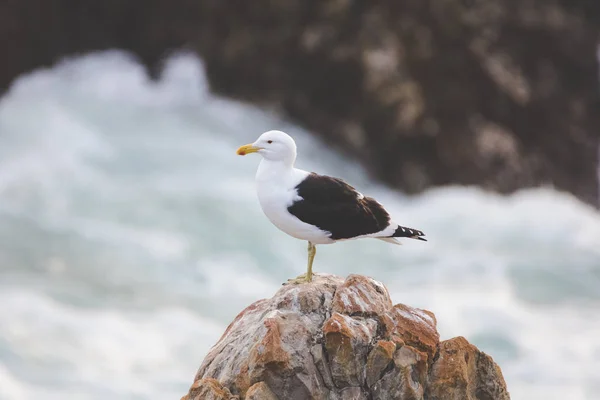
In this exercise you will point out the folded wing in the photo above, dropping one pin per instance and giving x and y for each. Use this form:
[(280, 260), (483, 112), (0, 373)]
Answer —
[(336, 207)]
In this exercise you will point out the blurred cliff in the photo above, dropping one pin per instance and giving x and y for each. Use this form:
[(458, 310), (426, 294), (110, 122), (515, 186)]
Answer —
[(499, 93)]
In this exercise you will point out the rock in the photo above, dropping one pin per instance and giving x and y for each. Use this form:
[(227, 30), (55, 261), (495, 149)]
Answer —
[(342, 340), (462, 372), (360, 296), (416, 328), (352, 393), (260, 391), (379, 358), (346, 342), (208, 389), (501, 94)]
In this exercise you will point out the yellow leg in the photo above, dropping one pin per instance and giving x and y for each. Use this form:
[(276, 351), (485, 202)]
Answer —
[(306, 278), (312, 250)]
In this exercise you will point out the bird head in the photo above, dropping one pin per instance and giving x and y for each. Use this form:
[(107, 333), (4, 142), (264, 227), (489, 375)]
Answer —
[(273, 146)]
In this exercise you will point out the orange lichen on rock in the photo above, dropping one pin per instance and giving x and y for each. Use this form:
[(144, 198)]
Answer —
[(461, 371), (208, 389)]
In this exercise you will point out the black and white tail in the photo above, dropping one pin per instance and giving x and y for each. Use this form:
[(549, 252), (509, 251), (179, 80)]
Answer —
[(403, 231)]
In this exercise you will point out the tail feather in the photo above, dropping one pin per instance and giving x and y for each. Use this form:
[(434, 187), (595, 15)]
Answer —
[(390, 240), (403, 231)]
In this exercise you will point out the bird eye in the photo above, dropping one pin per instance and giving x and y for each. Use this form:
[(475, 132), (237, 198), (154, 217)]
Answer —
[(269, 141)]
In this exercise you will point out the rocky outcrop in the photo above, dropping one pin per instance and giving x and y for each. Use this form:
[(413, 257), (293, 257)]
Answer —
[(342, 339), (499, 93)]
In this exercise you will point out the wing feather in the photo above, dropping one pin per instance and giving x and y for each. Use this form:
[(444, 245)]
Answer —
[(336, 207)]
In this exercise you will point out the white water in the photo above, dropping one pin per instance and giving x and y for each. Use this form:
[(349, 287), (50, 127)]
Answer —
[(130, 235)]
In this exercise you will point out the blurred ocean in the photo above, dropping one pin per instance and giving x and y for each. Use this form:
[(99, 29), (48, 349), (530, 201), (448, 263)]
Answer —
[(130, 235)]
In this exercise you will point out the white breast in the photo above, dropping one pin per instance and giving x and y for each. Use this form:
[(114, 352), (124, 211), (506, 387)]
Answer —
[(276, 192)]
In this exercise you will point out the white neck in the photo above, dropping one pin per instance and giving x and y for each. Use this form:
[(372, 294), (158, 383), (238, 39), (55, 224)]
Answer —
[(273, 170)]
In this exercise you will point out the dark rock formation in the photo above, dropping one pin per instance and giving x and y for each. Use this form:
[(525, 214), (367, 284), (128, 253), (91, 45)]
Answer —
[(342, 339), (499, 93)]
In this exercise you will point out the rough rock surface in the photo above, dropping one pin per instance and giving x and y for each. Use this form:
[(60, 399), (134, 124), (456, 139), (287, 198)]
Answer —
[(342, 339), (498, 93)]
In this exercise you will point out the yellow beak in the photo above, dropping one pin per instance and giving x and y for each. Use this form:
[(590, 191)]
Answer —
[(247, 149)]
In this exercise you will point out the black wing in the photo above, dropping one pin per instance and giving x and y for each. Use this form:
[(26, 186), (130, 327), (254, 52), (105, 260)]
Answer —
[(334, 206)]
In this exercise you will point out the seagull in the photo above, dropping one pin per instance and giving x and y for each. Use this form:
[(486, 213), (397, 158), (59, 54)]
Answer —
[(317, 208)]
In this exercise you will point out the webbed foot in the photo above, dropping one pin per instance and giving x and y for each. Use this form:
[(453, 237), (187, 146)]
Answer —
[(299, 280)]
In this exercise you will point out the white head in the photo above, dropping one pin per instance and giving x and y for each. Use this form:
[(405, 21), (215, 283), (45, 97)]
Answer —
[(273, 146)]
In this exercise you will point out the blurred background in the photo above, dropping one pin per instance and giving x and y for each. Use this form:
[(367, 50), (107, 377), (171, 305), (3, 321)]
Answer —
[(130, 232)]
